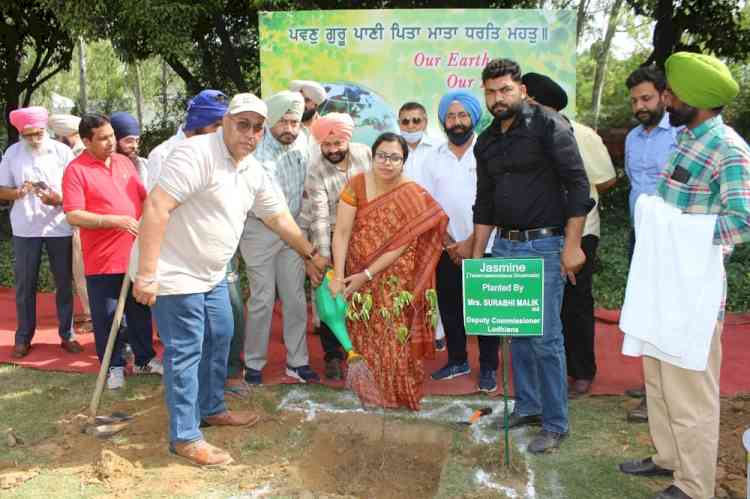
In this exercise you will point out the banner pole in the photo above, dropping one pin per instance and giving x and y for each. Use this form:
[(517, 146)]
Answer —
[(506, 416)]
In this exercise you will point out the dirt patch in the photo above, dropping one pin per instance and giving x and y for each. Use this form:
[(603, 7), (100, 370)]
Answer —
[(730, 473), (356, 454)]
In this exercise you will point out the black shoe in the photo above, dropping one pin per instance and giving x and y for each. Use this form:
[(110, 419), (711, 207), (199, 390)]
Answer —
[(546, 441), (672, 492), (640, 413), (644, 467), (516, 421)]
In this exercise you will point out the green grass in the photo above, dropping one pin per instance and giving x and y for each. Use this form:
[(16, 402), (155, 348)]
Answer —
[(586, 466)]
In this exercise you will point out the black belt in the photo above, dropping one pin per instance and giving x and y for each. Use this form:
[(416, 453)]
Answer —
[(529, 234)]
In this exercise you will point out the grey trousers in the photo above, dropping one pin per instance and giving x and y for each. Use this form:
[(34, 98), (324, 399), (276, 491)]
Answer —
[(272, 265)]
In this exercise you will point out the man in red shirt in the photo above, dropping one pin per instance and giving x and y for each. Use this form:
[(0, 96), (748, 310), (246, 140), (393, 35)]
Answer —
[(103, 196)]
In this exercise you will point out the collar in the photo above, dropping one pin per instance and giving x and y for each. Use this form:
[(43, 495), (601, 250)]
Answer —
[(702, 129), (662, 125), (523, 116), (88, 159), (218, 137), (444, 150)]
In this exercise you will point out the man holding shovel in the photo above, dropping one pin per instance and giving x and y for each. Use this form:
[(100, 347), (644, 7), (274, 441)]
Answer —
[(191, 227)]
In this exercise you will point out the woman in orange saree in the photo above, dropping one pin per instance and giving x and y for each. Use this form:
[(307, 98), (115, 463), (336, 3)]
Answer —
[(386, 245)]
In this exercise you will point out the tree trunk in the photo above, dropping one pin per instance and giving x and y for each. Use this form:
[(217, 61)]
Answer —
[(583, 7), (601, 60), (82, 97), (138, 91), (192, 85), (164, 84)]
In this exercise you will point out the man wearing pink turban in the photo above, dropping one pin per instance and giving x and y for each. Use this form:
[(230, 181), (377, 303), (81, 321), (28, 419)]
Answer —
[(334, 160), (31, 177)]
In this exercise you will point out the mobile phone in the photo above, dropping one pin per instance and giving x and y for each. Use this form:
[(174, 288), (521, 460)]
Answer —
[(41, 185)]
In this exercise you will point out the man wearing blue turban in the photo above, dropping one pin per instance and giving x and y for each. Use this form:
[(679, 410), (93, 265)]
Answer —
[(204, 113), (451, 179)]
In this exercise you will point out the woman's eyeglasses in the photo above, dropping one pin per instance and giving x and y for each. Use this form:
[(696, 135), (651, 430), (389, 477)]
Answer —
[(394, 159)]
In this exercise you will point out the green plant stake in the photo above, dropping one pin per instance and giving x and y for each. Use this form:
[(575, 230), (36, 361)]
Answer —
[(506, 417)]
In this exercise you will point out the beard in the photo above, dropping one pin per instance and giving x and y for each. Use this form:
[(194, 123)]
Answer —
[(335, 157), (287, 138), (649, 118), (459, 134), (505, 112), (681, 116), (308, 114)]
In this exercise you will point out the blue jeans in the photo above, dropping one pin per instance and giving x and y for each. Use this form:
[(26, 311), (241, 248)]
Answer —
[(104, 291), (196, 330), (539, 372), (27, 258)]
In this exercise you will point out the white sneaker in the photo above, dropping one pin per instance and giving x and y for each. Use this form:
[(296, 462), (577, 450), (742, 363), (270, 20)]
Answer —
[(116, 378), (154, 366)]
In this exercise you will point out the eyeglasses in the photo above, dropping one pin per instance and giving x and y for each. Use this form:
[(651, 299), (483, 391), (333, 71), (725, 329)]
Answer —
[(414, 121), (382, 157), (244, 126)]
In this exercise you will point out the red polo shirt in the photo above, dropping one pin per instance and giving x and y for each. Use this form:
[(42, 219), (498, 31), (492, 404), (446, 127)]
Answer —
[(88, 184)]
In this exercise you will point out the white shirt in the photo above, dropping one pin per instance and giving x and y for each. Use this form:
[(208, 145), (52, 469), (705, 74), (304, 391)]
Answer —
[(215, 197), (415, 164), (158, 155), (453, 184), (29, 217)]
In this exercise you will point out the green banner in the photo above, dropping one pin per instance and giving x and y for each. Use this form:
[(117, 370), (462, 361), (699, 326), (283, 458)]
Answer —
[(373, 61), (504, 296)]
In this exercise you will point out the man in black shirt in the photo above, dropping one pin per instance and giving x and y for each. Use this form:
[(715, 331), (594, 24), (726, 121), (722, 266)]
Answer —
[(532, 187)]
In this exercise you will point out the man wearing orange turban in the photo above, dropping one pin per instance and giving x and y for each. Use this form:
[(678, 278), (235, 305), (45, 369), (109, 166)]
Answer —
[(334, 160)]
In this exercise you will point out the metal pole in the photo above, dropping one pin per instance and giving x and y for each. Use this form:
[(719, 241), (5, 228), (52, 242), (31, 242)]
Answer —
[(82, 76), (506, 416)]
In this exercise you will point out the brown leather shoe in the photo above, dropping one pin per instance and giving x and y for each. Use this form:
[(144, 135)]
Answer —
[(21, 350), (640, 413), (71, 346), (202, 453), (231, 418), (579, 388)]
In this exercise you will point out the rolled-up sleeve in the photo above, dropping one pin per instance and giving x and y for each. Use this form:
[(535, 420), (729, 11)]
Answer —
[(733, 222), (184, 172), (484, 203), (562, 149)]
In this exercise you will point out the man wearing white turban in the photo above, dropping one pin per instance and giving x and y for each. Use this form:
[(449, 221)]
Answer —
[(65, 128), (272, 265), (314, 94)]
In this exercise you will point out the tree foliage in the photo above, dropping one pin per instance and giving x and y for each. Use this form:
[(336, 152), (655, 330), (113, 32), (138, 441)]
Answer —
[(718, 26), (213, 43), (34, 46)]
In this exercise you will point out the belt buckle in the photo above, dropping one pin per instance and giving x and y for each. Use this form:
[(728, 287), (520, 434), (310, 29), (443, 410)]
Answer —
[(514, 235)]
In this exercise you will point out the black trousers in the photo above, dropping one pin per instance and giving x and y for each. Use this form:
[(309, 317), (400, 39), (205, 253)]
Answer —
[(578, 317), (330, 344), (450, 302)]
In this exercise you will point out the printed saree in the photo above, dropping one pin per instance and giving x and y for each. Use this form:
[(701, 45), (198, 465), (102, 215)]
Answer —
[(397, 331)]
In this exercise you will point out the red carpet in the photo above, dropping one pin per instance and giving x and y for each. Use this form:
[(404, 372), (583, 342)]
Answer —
[(616, 372)]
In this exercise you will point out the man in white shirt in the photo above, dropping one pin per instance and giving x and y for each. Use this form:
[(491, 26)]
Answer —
[(314, 94), (452, 180), (128, 135), (412, 121), (204, 114), (31, 176), (191, 225)]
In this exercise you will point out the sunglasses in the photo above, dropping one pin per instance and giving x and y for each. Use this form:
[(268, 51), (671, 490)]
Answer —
[(414, 121)]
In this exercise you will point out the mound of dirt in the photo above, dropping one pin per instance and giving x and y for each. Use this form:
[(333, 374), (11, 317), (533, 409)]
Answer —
[(730, 473), (113, 469), (362, 455)]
